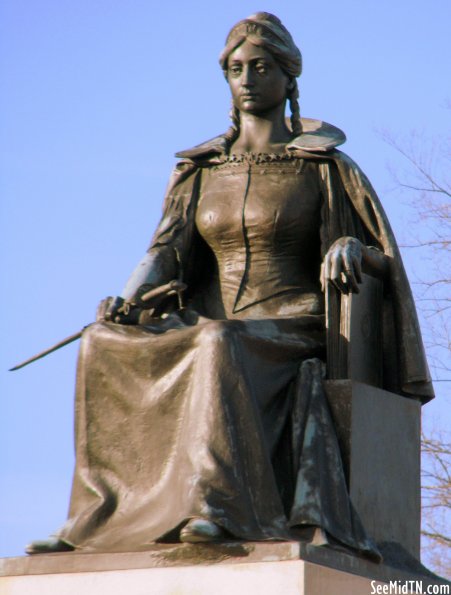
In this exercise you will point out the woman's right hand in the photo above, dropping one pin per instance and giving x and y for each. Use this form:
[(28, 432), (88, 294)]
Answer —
[(147, 297), (118, 310)]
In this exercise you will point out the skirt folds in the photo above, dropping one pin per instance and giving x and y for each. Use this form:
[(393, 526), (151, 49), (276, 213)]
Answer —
[(221, 419)]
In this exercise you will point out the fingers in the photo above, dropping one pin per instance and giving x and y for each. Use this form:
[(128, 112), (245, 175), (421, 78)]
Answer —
[(342, 266), (336, 269), (357, 262), (112, 308), (349, 271), (105, 309), (132, 317), (331, 271), (101, 309), (327, 274)]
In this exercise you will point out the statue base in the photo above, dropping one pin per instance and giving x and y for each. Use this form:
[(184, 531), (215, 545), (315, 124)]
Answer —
[(265, 568)]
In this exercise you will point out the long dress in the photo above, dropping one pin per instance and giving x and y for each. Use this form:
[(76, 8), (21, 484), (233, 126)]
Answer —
[(217, 410)]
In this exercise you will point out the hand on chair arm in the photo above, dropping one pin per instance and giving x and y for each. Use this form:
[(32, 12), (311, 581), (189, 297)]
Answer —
[(345, 260)]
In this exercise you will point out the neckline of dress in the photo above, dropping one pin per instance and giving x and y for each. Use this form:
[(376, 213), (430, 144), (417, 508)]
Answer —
[(251, 157)]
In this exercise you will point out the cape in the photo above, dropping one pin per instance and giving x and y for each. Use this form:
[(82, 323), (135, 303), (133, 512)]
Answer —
[(351, 208)]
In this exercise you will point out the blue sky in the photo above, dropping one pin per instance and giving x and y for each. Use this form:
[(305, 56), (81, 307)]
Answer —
[(97, 96)]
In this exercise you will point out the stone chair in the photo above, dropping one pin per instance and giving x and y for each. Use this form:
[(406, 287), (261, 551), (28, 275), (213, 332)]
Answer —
[(378, 431)]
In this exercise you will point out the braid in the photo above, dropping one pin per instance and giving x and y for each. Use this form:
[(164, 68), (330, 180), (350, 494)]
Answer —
[(296, 124), (234, 131)]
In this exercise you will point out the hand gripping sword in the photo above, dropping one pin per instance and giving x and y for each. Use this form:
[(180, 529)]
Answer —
[(171, 288)]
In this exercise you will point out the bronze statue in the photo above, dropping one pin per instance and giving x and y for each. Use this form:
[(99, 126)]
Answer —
[(204, 418)]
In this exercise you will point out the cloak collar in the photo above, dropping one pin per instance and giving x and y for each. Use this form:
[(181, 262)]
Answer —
[(317, 136)]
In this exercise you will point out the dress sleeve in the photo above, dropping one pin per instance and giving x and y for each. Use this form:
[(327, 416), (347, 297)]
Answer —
[(168, 253)]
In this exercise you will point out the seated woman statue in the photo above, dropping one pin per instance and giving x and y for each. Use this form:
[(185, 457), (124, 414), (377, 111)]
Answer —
[(207, 420)]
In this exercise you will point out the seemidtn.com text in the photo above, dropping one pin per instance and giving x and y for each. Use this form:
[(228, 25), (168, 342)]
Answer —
[(408, 587)]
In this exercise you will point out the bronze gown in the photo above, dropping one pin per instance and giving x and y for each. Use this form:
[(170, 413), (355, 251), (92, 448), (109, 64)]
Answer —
[(219, 413)]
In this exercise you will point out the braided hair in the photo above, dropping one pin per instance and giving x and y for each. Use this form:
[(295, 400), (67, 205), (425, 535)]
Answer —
[(234, 131), (293, 95)]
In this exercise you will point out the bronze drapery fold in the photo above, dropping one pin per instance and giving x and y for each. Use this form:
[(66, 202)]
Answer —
[(166, 432)]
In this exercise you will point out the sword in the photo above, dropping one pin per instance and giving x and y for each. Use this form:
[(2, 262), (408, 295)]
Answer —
[(49, 350), (171, 288)]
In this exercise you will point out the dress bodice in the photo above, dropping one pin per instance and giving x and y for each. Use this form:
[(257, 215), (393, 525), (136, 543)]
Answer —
[(260, 215)]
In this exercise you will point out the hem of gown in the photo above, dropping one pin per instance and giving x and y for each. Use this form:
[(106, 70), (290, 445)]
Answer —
[(368, 550), (371, 552)]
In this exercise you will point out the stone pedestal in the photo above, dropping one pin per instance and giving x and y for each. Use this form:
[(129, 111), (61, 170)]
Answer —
[(287, 578), (379, 436), (221, 569)]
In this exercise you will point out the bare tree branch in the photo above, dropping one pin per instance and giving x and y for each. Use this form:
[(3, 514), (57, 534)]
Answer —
[(427, 184)]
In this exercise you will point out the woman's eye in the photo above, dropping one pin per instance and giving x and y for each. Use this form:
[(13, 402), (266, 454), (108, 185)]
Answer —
[(235, 70), (261, 68)]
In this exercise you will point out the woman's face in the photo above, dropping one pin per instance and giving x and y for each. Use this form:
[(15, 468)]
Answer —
[(257, 82)]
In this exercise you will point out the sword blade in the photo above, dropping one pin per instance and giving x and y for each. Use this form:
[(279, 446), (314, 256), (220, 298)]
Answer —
[(48, 351)]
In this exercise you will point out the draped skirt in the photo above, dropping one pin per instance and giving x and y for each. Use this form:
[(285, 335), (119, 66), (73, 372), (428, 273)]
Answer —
[(221, 419)]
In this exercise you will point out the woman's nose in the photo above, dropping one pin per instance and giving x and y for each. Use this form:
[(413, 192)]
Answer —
[(248, 77)]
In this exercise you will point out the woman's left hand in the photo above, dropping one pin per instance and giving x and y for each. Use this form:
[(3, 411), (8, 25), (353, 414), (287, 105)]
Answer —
[(343, 265)]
